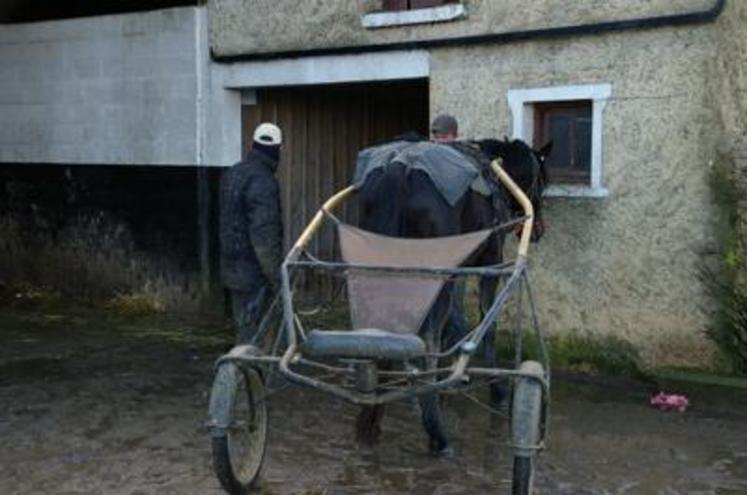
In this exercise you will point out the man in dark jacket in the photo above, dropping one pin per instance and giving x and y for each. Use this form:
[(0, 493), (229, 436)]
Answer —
[(445, 130), (251, 231)]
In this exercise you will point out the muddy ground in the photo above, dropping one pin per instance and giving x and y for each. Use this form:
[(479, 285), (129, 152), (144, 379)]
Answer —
[(94, 404)]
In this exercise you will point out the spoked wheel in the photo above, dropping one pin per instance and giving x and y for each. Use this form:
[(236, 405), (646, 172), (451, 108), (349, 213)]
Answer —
[(526, 417), (238, 414)]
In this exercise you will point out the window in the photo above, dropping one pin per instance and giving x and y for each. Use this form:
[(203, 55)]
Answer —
[(572, 117), (568, 126)]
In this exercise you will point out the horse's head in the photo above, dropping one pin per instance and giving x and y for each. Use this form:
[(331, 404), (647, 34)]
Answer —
[(526, 167)]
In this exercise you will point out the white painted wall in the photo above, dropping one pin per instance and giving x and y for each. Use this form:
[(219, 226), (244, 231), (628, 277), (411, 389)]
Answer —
[(141, 89), (120, 89)]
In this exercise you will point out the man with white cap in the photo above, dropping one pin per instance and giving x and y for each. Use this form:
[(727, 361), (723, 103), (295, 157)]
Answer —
[(251, 231)]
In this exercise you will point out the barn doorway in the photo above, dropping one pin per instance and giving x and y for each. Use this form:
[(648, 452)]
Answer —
[(324, 128)]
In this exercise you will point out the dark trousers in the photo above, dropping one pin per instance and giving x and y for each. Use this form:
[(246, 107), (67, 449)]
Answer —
[(248, 308)]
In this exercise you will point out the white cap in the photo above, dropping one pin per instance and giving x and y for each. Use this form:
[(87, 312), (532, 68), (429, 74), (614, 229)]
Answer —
[(268, 134)]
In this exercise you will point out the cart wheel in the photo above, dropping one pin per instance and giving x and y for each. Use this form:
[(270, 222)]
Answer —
[(526, 415), (523, 480), (238, 413)]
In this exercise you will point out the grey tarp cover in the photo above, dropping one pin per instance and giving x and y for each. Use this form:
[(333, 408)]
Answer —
[(451, 171), (398, 302)]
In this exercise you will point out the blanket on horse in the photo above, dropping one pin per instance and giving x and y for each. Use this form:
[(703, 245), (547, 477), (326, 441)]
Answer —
[(451, 171)]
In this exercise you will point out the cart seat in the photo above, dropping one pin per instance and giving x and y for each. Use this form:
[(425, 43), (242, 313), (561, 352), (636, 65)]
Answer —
[(369, 343)]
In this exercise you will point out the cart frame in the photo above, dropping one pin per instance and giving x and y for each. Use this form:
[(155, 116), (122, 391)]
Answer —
[(535, 377)]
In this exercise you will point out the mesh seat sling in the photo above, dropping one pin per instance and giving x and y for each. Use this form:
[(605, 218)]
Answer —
[(399, 302)]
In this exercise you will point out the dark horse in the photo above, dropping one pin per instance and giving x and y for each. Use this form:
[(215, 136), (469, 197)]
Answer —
[(399, 201)]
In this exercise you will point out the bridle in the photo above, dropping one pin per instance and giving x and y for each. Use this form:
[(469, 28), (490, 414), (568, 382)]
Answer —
[(539, 178)]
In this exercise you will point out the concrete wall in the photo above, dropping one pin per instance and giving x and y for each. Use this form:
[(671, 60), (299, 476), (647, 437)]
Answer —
[(260, 26), (78, 96), (105, 90)]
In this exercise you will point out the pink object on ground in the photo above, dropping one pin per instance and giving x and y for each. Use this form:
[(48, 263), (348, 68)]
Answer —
[(667, 402)]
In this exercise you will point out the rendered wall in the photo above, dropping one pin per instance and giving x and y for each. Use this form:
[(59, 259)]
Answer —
[(625, 265), (259, 26), (731, 84), (731, 78)]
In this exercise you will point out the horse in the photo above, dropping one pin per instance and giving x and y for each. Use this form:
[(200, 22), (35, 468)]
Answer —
[(398, 201)]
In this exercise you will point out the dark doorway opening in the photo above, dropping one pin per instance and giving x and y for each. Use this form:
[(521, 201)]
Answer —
[(324, 129)]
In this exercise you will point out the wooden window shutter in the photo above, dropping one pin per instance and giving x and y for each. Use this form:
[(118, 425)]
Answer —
[(395, 4)]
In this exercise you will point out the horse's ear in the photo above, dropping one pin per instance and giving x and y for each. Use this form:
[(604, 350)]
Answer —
[(546, 149)]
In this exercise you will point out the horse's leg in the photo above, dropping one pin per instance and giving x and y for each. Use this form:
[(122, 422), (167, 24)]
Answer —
[(488, 286), (430, 412), (368, 424), (498, 389), (429, 215), (430, 405)]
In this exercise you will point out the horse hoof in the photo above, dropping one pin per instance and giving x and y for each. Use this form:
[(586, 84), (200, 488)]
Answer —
[(444, 453), (439, 447)]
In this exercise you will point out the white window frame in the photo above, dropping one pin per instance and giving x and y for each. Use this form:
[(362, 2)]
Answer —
[(522, 101)]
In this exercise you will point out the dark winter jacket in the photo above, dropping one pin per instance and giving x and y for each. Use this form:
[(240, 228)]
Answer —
[(251, 225)]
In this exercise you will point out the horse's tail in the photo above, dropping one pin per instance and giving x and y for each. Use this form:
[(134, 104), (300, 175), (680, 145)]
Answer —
[(382, 200)]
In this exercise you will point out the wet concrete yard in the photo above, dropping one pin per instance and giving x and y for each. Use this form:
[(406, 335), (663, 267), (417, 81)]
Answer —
[(91, 404)]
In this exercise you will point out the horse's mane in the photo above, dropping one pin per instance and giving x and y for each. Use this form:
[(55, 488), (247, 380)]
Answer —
[(520, 161), (516, 153)]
